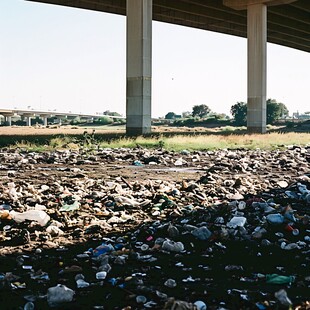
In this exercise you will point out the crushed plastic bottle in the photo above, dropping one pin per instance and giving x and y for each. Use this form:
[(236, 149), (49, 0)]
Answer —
[(171, 246), (282, 297), (101, 275), (202, 233), (103, 249), (237, 221), (80, 282), (290, 246), (233, 267), (171, 283), (59, 294), (140, 299), (276, 218)]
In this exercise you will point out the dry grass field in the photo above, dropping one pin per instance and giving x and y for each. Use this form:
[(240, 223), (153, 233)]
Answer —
[(52, 130), (170, 138)]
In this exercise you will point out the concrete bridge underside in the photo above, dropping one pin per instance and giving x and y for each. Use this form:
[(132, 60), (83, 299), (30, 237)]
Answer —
[(284, 22)]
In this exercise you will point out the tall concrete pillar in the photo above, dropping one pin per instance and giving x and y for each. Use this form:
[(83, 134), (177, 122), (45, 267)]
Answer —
[(257, 62), (139, 66), (257, 58)]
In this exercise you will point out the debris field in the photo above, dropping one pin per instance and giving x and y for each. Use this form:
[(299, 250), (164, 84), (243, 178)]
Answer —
[(155, 229)]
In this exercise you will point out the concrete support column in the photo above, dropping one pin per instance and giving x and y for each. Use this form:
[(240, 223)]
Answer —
[(8, 119), (257, 57), (139, 66), (257, 61), (28, 120), (45, 120)]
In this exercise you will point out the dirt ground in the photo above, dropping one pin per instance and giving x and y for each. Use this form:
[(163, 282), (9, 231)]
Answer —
[(73, 130)]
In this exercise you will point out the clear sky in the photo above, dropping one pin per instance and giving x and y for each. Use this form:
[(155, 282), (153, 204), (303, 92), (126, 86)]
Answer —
[(53, 57)]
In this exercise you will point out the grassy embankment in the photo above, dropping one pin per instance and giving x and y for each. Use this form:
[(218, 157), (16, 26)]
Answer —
[(176, 142)]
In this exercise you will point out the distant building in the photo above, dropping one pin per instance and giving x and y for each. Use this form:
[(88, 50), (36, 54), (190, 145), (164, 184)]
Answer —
[(301, 116)]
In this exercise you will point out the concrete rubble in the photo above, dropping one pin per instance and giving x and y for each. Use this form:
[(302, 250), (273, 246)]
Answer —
[(153, 229)]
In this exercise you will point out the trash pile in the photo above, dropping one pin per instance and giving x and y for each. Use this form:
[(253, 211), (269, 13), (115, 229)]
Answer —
[(152, 229)]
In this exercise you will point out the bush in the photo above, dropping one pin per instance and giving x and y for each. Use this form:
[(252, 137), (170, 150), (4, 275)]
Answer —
[(104, 120), (19, 123), (239, 113), (290, 125)]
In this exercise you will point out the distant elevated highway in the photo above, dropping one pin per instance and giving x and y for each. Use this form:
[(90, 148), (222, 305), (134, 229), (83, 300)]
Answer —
[(29, 114), (287, 23)]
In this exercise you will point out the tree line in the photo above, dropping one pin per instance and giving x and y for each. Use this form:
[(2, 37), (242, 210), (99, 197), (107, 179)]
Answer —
[(275, 111)]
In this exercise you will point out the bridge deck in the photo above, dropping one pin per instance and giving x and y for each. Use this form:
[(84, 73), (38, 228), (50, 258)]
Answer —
[(288, 25)]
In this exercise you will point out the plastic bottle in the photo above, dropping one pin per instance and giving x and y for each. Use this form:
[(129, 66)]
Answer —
[(236, 221), (282, 297), (170, 283), (202, 233), (103, 249), (276, 218), (59, 294), (29, 306), (80, 282), (140, 299), (290, 228), (172, 246), (144, 247), (295, 232), (101, 275), (290, 246), (32, 215), (200, 305)]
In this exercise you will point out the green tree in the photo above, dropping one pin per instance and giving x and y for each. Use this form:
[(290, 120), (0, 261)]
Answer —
[(201, 110), (239, 113), (275, 110), (170, 115)]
